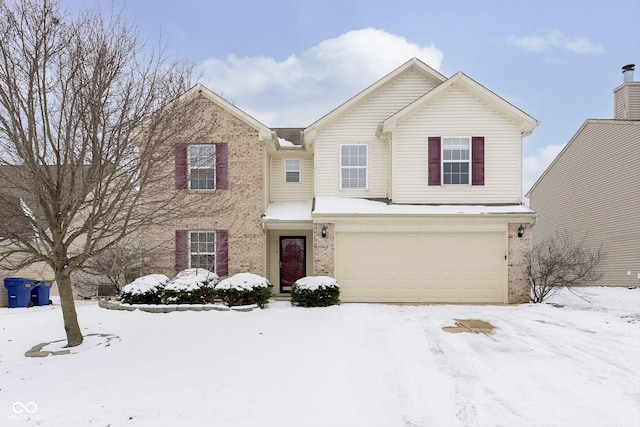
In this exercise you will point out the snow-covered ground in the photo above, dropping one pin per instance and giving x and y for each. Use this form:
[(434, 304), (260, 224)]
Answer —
[(566, 363)]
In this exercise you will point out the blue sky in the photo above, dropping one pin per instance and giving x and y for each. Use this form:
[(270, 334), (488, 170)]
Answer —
[(289, 62)]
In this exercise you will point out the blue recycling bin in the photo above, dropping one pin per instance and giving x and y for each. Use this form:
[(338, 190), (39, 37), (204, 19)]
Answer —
[(19, 291), (40, 292), (24, 292)]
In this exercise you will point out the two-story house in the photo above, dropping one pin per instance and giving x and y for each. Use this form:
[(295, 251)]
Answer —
[(592, 188), (408, 192)]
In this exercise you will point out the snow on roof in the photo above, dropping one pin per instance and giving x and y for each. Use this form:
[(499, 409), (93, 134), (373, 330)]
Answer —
[(288, 211), (345, 205), (286, 143)]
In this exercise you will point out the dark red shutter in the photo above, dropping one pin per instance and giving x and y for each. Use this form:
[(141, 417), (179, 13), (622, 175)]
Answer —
[(477, 160), (222, 162), (182, 170), (434, 160), (182, 250), (222, 253)]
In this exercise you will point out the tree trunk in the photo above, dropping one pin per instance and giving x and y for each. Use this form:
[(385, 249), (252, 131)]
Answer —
[(71, 326)]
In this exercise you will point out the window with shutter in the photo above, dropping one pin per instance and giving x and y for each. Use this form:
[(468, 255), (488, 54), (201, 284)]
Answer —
[(434, 160), (201, 166), (202, 249), (477, 160), (456, 161)]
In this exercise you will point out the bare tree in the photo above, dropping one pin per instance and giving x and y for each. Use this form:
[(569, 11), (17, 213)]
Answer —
[(87, 121), (115, 267), (561, 262)]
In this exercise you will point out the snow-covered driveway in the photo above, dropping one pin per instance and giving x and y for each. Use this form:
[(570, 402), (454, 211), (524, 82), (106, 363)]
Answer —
[(568, 364)]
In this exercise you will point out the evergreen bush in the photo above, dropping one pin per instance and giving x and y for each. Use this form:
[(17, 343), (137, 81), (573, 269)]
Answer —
[(315, 291), (244, 289), (144, 290), (191, 286)]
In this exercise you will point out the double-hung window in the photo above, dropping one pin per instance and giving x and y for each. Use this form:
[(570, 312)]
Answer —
[(456, 160), (203, 250), (292, 170), (202, 167), (353, 167)]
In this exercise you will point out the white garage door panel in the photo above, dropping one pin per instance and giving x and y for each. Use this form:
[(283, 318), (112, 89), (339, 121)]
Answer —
[(420, 267)]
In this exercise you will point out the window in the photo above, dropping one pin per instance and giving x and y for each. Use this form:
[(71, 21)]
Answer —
[(353, 167), (455, 160), (202, 250), (450, 163), (202, 167), (292, 170)]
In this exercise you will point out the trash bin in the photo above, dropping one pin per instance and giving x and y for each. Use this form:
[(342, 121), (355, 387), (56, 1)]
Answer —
[(19, 291), (40, 292)]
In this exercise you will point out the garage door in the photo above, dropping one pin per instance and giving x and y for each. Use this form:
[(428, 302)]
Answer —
[(420, 267)]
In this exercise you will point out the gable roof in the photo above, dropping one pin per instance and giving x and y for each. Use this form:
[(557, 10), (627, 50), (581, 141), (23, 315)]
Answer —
[(587, 123), (412, 64), (264, 132), (526, 122)]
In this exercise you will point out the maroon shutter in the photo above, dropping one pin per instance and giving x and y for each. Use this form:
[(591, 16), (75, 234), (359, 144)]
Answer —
[(477, 160), (222, 253), (182, 250), (434, 160), (182, 170), (222, 162)]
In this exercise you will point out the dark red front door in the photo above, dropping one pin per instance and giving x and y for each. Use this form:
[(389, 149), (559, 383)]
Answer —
[(292, 261)]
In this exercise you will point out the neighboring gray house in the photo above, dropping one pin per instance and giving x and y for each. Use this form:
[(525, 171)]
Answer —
[(592, 188)]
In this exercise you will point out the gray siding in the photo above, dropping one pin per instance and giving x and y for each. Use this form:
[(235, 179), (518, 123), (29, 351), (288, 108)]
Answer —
[(592, 189), (627, 101)]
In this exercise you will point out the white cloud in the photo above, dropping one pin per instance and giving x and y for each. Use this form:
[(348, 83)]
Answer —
[(301, 89), (534, 165), (556, 39)]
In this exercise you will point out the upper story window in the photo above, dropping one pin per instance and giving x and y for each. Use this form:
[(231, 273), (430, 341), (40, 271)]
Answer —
[(456, 160), (202, 250), (292, 170), (202, 167), (353, 167)]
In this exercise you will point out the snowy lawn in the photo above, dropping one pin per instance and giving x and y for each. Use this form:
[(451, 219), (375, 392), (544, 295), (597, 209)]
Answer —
[(570, 363)]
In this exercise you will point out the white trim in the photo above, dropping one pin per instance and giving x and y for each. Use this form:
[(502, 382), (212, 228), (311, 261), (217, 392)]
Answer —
[(299, 170), (366, 168), (468, 161), (197, 253), (189, 167)]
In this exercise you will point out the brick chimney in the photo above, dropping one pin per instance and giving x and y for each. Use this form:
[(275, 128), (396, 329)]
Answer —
[(627, 96)]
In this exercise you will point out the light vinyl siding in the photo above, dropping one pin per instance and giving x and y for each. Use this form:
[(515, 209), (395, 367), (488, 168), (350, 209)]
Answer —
[(627, 101), (592, 190), (281, 191), (457, 114), (358, 126)]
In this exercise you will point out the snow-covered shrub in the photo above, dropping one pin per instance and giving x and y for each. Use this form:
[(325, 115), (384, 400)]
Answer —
[(244, 289), (144, 290), (315, 291), (191, 286)]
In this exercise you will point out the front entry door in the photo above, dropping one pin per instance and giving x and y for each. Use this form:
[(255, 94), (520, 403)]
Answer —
[(293, 263)]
